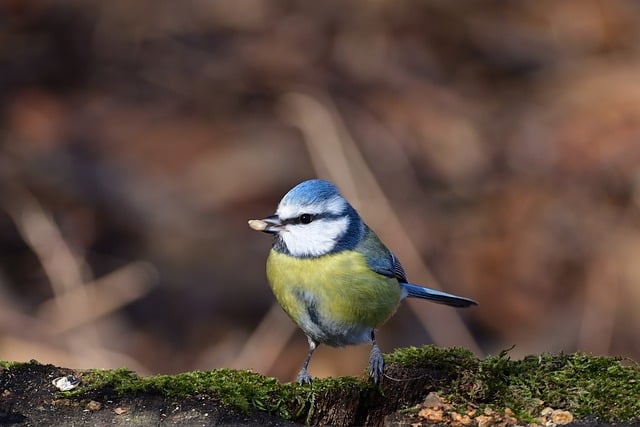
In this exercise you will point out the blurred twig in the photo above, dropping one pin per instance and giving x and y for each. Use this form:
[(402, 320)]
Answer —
[(77, 301), (60, 264), (106, 295)]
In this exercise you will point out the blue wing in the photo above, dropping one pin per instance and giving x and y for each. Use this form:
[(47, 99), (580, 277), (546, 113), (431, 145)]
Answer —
[(383, 261), (379, 258)]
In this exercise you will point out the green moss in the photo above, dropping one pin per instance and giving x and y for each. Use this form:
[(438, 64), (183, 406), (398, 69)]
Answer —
[(5, 364), (430, 355), (238, 389), (338, 385), (583, 384), (580, 383)]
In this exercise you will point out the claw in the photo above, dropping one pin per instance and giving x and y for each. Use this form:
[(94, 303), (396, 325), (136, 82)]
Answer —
[(303, 377), (376, 363)]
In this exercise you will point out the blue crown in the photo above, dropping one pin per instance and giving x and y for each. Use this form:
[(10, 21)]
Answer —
[(310, 192)]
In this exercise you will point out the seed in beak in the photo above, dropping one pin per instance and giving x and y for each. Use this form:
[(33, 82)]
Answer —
[(258, 224)]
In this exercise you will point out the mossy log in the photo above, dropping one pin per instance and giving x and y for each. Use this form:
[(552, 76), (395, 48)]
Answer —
[(592, 390)]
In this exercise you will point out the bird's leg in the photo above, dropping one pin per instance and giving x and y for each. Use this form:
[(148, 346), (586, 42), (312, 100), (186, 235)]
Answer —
[(303, 376), (376, 362)]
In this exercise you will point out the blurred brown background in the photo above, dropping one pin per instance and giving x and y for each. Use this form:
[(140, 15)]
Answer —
[(494, 146)]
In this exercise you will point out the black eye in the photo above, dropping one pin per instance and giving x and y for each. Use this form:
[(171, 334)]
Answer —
[(306, 218)]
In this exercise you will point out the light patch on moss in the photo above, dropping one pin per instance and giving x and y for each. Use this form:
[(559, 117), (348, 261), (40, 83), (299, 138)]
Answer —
[(6, 365)]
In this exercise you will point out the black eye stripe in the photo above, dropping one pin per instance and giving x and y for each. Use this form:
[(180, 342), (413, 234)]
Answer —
[(314, 217)]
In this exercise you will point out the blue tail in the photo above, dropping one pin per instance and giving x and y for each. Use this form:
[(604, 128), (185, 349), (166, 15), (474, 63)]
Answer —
[(436, 296)]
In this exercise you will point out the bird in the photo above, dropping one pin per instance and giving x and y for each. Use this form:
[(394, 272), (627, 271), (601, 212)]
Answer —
[(332, 275)]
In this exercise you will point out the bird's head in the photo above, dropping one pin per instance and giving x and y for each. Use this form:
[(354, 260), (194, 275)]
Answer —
[(312, 220)]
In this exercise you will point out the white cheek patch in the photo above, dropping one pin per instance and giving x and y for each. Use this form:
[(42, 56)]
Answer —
[(314, 239)]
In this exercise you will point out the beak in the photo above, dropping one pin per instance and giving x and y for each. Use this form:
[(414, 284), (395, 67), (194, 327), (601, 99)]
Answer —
[(270, 224)]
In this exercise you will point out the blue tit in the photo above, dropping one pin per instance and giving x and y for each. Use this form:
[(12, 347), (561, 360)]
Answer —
[(332, 275)]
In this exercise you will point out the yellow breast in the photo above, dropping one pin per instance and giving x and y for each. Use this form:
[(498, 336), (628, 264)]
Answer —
[(335, 299)]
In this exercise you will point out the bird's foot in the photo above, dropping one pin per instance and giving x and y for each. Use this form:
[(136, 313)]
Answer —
[(303, 377), (376, 363)]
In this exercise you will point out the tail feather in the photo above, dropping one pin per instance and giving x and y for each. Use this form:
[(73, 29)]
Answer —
[(436, 296)]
